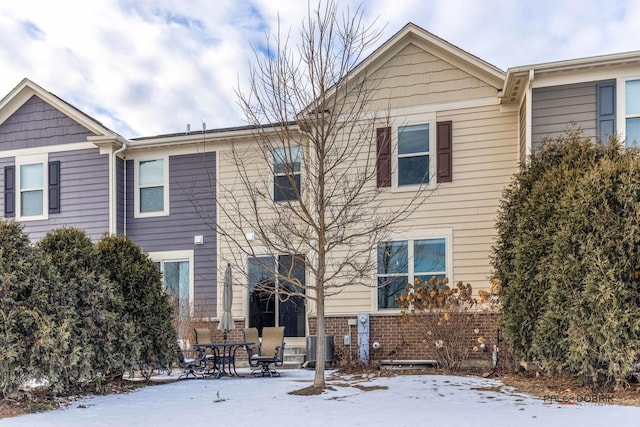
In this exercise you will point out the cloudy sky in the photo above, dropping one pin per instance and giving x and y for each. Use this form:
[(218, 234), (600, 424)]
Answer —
[(148, 67)]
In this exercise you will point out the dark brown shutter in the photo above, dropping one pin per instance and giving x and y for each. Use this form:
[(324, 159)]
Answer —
[(383, 152), (443, 155), (9, 192), (54, 187)]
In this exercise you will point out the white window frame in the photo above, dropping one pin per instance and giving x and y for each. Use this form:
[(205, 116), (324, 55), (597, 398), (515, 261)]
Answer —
[(411, 120), (410, 237), (136, 177), (32, 160), (178, 256), (272, 181), (621, 106)]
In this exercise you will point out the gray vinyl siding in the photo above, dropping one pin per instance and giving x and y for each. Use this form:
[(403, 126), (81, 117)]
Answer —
[(38, 124), (190, 177), (84, 194), (556, 109)]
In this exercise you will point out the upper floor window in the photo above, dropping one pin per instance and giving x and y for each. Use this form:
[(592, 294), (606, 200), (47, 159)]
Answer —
[(152, 189), (413, 154), (408, 261), (286, 173), (32, 190), (632, 112), (417, 153)]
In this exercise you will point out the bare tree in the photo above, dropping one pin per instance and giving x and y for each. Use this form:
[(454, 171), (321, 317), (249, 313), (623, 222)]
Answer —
[(319, 201)]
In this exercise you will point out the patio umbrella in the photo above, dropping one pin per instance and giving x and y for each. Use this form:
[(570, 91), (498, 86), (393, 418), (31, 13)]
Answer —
[(226, 320)]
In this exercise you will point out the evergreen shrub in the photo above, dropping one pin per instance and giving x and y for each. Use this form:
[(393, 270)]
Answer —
[(146, 307), (568, 258), (82, 344)]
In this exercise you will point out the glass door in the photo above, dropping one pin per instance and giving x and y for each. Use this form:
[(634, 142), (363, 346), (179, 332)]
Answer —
[(272, 302)]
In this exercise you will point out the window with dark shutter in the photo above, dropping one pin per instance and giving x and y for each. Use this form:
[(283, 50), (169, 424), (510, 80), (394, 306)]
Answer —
[(444, 148), (606, 107), (54, 187), (383, 153), (9, 192)]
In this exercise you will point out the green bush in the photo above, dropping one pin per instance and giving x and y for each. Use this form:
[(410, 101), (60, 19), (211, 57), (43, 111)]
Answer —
[(568, 258), (21, 269), (80, 345), (145, 303)]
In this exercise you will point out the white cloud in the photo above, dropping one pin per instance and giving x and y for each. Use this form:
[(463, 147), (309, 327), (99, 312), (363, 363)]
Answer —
[(150, 67)]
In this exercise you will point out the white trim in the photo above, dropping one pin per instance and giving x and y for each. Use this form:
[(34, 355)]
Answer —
[(529, 117), (182, 255), (566, 78), (413, 235), (136, 186), (42, 159), (438, 107), (621, 113), (26, 89), (48, 149)]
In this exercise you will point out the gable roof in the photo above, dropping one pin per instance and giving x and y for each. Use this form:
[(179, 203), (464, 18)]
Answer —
[(412, 33), (26, 89), (440, 48)]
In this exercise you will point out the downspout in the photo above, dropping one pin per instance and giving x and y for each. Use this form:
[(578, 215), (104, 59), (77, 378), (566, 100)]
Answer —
[(124, 184), (528, 107)]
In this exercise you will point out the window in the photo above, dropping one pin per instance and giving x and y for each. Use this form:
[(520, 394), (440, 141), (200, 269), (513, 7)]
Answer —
[(32, 188), (406, 261), (152, 188), (423, 151), (270, 300), (632, 112), (413, 154), (286, 173), (177, 278)]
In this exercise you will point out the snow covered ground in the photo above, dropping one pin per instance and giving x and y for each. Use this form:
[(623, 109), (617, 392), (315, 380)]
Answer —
[(412, 400)]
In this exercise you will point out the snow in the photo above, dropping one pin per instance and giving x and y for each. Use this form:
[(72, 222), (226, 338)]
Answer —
[(403, 400)]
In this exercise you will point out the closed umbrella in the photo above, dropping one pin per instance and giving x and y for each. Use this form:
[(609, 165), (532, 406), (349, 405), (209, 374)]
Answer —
[(226, 320)]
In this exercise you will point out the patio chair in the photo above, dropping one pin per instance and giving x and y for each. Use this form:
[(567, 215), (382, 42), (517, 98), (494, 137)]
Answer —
[(191, 367), (271, 351), (251, 335), (203, 336)]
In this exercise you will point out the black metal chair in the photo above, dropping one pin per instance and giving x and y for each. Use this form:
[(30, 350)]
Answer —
[(191, 367)]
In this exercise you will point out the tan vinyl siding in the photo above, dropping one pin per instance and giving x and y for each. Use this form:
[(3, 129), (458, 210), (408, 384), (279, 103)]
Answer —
[(413, 84), (484, 159), (414, 77), (231, 194)]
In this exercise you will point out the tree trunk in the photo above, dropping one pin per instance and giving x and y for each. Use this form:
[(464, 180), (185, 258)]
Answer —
[(318, 379)]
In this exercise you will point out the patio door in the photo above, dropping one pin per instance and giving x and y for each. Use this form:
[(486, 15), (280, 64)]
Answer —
[(175, 275), (271, 302)]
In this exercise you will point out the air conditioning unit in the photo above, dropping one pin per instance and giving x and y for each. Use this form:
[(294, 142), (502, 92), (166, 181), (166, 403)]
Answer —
[(329, 347)]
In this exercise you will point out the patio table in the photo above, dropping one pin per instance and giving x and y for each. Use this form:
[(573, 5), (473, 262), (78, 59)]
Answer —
[(224, 360)]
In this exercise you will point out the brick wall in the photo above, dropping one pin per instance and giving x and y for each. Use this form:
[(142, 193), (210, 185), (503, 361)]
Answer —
[(406, 340), (398, 340)]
